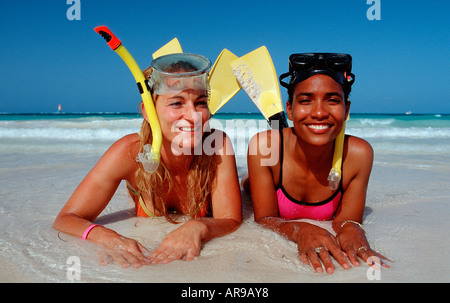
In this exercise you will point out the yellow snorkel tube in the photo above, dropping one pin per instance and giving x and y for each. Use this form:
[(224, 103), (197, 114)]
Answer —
[(334, 177), (150, 158)]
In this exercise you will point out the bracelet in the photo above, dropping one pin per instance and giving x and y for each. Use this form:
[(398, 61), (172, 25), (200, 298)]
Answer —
[(87, 231), (354, 222)]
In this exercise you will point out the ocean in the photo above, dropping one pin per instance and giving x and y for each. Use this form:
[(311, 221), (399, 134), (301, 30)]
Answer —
[(388, 133), (43, 158)]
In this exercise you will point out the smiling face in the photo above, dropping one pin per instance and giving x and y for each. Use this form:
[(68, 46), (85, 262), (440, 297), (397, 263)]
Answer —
[(318, 110), (182, 116)]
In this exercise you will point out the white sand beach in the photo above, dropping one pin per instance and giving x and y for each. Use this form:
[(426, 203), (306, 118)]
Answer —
[(406, 219)]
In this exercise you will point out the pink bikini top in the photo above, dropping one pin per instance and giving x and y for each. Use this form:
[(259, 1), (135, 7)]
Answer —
[(290, 208)]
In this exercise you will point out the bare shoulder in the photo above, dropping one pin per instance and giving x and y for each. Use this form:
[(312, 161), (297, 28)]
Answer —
[(120, 158), (358, 160), (129, 139), (358, 148), (264, 142), (127, 145)]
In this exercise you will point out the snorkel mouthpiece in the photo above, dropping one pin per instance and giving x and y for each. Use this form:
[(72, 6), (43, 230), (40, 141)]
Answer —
[(334, 178), (149, 159)]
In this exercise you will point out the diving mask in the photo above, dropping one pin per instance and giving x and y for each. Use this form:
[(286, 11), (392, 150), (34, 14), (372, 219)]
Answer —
[(174, 73)]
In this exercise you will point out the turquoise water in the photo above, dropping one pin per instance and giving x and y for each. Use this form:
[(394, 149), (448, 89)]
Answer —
[(401, 118), (386, 132), (383, 122)]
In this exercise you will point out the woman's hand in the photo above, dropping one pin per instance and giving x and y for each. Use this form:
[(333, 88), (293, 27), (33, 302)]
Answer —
[(184, 242), (353, 242), (124, 251), (316, 245)]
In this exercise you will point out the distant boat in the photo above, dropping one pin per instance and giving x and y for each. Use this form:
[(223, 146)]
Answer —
[(408, 112), (59, 108)]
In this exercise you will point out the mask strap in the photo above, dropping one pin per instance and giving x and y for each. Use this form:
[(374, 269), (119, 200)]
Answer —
[(285, 75)]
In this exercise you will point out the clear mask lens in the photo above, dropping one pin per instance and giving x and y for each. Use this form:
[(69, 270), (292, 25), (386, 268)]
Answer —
[(177, 72)]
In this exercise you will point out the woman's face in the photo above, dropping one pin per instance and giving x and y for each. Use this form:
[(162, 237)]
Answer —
[(182, 116), (318, 110)]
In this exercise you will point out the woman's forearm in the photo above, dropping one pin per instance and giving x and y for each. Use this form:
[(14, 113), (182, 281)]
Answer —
[(74, 225), (213, 228), (288, 229)]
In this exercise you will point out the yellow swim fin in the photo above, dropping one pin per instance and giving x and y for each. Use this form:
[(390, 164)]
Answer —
[(171, 47), (256, 74), (222, 81)]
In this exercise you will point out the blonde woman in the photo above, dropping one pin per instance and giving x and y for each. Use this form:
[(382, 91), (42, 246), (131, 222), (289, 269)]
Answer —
[(190, 180)]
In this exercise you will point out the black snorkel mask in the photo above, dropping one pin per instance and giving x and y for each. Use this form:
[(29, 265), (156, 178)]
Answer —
[(305, 65)]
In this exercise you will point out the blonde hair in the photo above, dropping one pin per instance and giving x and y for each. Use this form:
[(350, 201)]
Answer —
[(200, 181)]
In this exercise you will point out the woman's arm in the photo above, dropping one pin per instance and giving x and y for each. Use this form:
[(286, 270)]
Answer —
[(347, 222), (185, 242), (308, 237), (93, 195), (263, 146)]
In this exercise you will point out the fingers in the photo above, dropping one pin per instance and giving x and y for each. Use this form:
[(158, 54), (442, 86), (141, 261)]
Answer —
[(322, 256), (340, 256), (126, 253), (168, 254), (355, 245), (124, 259), (352, 256), (365, 253), (372, 258), (161, 255), (104, 258)]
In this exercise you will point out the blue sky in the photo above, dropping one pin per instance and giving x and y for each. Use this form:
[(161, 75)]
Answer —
[(401, 61)]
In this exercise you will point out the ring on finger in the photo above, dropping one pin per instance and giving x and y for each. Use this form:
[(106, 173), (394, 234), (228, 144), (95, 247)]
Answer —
[(318, 249), (362, 248)]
